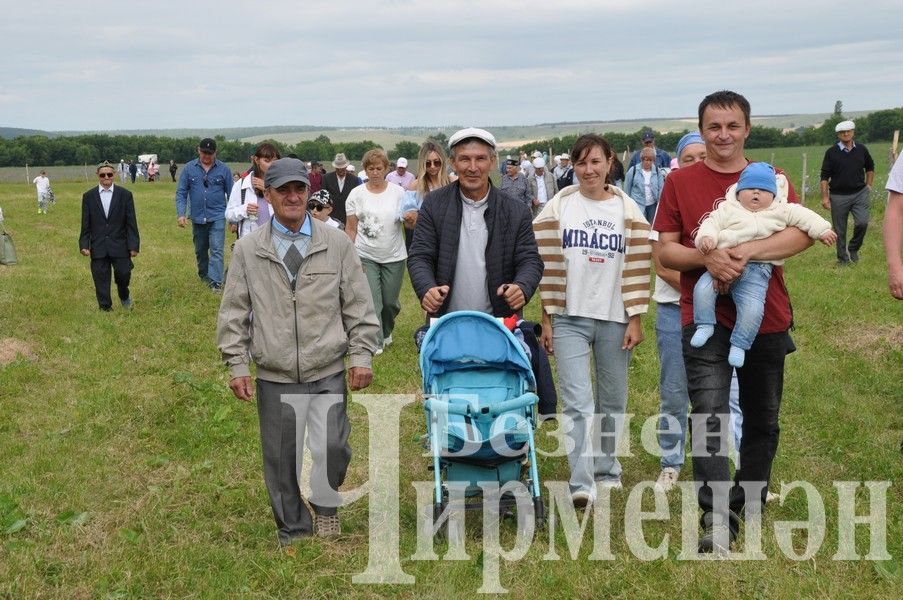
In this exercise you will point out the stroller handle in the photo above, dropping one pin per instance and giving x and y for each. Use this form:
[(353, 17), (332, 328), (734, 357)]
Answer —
[(525, 400)]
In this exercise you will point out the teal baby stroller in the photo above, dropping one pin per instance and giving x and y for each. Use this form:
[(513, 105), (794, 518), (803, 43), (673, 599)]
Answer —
[(480, 409)]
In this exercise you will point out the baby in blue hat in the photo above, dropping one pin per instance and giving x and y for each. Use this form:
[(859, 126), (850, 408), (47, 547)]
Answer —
[(754, 208)]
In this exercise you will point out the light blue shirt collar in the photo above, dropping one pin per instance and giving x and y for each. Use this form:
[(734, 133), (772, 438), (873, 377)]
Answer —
[(305, 227), (844, 148)]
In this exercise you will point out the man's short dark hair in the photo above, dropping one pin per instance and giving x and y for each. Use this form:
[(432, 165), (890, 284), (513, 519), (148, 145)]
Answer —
[(724, 99)]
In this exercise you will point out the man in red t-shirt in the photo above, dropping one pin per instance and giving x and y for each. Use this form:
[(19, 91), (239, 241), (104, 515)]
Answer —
[(687, 198)]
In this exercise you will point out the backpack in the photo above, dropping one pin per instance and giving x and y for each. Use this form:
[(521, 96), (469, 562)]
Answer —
[(7, 249)]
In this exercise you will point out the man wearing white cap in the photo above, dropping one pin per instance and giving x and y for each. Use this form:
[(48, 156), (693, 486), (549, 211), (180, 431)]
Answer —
[(564, 172), (339, 185), (847, 172), (401, 176), (473, 247), (542, 185)]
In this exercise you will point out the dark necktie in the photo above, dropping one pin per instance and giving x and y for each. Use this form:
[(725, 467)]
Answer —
[(292, 260)]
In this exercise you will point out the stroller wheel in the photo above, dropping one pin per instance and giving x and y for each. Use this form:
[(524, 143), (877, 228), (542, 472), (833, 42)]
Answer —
[(539, 512), (455, 532), (438, 508), (507, 504), (437, 513)]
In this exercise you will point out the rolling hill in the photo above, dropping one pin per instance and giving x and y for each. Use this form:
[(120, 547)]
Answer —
[(507, 135)]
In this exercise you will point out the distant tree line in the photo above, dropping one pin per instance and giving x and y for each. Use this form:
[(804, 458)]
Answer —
[(94, 148), (878, 126)]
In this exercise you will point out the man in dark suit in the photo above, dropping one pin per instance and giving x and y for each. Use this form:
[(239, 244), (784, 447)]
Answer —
[(109, 236), (339, 185)]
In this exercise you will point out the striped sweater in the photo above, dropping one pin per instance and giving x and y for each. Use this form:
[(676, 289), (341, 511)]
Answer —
[(637, 258)]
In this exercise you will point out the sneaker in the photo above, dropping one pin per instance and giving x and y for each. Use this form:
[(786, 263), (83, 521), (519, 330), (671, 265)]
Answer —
[(666, 479), (378, 352), (387, 342), (551, 419), (854, 256), (328, 526), (127, 304), (581, 499), (216, 288), (614, 484)]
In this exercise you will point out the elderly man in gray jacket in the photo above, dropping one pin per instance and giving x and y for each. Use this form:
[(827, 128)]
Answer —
[(542, 185), (311, 305)]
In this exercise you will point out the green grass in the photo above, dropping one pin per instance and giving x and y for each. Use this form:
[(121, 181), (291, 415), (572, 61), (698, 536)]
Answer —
[(129, 470)]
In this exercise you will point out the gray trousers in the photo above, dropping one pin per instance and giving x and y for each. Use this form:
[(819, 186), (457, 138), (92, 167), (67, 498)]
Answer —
[(841, 207), (287, 412)]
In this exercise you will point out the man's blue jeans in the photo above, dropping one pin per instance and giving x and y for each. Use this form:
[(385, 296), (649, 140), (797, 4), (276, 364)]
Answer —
[(748, 293), (761, 381), (675, 402), (209, 241)]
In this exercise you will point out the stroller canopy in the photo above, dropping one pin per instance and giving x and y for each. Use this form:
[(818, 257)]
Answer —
[(470, 339)]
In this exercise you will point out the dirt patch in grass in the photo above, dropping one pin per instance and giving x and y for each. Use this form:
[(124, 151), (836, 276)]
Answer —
[(11, 348), (870, 340)]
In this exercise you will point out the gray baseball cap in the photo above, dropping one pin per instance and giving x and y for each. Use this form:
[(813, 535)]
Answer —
[(285, 170)]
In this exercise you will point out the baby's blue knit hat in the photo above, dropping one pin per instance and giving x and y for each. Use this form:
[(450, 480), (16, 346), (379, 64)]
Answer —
[(758, 176)]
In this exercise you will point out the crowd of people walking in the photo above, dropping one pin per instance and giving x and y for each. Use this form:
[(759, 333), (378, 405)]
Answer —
[(313, 288)]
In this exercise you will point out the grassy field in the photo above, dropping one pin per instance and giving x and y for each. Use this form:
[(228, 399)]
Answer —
[(129, 471)]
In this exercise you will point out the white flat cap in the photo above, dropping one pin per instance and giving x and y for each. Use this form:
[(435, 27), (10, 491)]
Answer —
[(845, 126), (471, 132)]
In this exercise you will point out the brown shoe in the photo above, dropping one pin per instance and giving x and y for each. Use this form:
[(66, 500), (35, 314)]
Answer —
[(328, 526)]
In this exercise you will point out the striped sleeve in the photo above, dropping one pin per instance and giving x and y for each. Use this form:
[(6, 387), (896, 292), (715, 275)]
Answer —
[(636, 278), (553, 284)]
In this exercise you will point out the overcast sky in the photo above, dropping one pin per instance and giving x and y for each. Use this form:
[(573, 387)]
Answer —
[(199, 64)]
